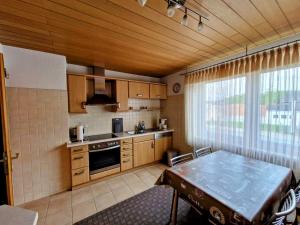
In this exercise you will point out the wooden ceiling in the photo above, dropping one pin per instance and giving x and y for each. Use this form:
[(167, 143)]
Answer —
[(120, 35)]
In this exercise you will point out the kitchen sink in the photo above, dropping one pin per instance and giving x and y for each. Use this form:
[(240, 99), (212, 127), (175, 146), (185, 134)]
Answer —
[(145, 131)]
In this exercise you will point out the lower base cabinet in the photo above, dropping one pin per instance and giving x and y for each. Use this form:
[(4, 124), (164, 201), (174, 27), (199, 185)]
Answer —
[(161, 146), (143, 153)]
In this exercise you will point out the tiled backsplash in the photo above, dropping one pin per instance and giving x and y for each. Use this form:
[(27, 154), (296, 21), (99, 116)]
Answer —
[(39, 130), (99, 118)]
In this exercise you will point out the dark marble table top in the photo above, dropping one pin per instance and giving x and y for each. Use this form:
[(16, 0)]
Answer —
[(242, 184)]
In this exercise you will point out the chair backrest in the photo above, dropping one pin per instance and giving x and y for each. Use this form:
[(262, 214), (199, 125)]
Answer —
[(287, 206), (181, 159), (297, 193), (203, 151)]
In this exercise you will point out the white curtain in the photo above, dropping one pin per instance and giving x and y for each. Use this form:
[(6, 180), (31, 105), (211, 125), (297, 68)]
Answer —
[(250, 106)]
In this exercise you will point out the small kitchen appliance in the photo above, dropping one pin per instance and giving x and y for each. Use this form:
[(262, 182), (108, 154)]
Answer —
[(117, 125), (163, 124)]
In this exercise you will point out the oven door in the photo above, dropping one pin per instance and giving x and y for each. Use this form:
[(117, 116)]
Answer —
[(104, 159)]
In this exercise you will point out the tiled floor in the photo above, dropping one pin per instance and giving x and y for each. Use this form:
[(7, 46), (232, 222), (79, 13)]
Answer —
[(69, 207)]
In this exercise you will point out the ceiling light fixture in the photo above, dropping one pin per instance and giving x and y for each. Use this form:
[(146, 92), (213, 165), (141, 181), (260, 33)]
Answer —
[(142, 2), (184, 20), (200, 24), (179, 4)]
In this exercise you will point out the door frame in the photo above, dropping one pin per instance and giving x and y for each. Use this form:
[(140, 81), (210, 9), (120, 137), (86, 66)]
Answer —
[(5, 129)]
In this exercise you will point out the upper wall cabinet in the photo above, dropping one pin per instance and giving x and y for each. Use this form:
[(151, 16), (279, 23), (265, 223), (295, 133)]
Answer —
[(138, 90), (158, 91), (122, 95), (77, 93)]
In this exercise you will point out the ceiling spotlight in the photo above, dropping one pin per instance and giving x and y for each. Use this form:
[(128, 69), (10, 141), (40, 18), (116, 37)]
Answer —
[(171, 10), (184, 20), (142, 2), (200, 25)]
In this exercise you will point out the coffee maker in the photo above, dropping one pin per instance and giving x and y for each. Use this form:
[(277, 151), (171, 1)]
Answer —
[(163, 124)]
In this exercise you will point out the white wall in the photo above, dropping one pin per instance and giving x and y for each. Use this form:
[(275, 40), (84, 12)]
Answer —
[(1, 48), (76, 69), (34, 69), (171, 80)]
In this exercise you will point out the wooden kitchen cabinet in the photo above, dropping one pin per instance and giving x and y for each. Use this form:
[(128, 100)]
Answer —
[(143, 153), (80, 165), (161, 146), (158, 91), (77, 93), (139, 90), (126, 154), (122, 95)]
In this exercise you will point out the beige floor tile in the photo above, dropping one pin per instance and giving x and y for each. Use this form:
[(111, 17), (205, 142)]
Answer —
[(122, 193), (116, 182), (104, 201), (83, 210), (62, 205), (130, 178), (41, 221), (81, 195), (40, 206), (149, 181), (58, 219), (100, 188), (143, 174), (138, 187)]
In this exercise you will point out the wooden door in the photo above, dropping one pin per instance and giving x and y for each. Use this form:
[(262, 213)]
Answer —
[(77, 93), (122, 95), (158, 91), (139, 90), (143, 153), (6, 189), (161, 146)]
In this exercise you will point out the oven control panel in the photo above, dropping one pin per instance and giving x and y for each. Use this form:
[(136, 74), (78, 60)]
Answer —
[(103, 145)]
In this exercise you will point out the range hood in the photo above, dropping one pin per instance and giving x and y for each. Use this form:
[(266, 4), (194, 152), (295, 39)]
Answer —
[(103, 90)]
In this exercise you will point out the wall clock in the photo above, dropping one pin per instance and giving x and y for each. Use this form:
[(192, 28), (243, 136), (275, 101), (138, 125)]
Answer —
[(176, 88)]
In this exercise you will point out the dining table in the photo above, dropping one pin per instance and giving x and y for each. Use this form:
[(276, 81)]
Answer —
[(228, 188)]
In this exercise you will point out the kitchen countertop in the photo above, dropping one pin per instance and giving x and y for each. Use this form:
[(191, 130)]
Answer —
[(120, 136), (17, 216)]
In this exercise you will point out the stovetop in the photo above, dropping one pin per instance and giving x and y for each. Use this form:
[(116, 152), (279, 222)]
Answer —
[(100, 137)]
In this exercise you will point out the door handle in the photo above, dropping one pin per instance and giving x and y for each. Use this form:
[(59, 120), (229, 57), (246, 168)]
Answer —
[(16, 156)]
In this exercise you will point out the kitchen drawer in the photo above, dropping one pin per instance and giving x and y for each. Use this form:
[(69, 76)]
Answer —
[(79, 149), (126, 147), (126, 163), (80, 176), (79, 160), (143, 138), (126, 141), (126, 154)]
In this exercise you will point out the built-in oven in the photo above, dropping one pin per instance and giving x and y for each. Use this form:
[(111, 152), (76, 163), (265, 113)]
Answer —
[(104, 156)]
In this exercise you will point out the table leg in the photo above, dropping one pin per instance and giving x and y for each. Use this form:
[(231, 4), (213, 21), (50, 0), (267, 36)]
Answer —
[(173, 216)]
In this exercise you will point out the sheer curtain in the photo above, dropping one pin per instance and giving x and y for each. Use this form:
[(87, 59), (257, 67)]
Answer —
[(250, 106)]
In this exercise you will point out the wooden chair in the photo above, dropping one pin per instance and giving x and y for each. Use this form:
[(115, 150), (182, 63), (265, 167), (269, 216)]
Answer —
[(181, 159), (287, 207), (203, 151)]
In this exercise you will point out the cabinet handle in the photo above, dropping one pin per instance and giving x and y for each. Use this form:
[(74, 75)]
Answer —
[(139, 95), (125, 142), (78, 150), (77, 158), (152, 145), (127, 149), (79, 173), (158, 96), (126, 155), (125, 161)]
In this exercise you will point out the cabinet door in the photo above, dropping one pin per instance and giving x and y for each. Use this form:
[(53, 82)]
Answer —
[(138, 90), (77, 93), (122, 94), (161, 146), (158, 91), (143, 153)]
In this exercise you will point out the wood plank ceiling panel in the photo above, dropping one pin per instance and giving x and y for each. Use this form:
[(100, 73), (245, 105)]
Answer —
[(120, 35)]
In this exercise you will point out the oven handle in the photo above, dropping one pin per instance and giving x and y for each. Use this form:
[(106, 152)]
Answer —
[(105, 149)]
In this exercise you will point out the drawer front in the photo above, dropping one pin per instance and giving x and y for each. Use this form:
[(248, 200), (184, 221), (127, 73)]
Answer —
[(126, 141), (80, 160), (79, 149), (143, 138), (126, 163), (126, 147), (80, 176), (126, 154)]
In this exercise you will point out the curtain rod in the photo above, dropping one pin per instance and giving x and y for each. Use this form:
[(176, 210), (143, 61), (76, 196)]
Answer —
[(239, 57)]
